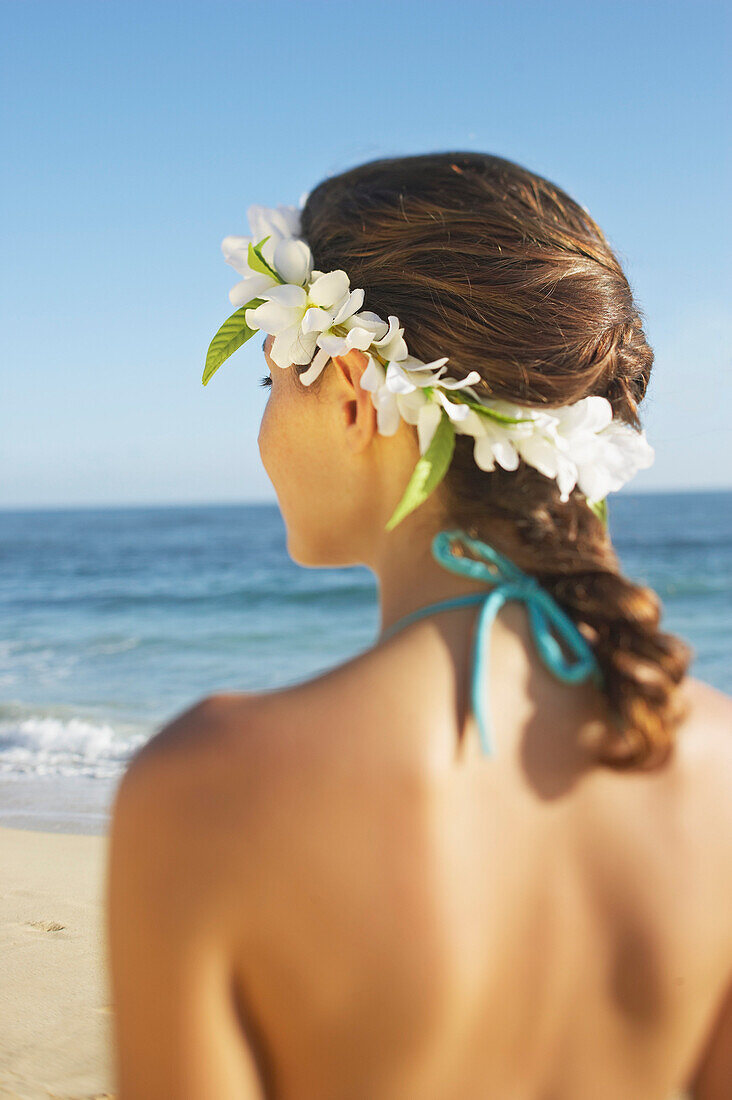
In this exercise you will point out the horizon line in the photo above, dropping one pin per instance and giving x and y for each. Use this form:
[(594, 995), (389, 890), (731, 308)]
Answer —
[(228, 503)]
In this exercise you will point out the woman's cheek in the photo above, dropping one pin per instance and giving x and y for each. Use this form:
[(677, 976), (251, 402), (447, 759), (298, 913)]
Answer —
[(275, 436), (264, 435)]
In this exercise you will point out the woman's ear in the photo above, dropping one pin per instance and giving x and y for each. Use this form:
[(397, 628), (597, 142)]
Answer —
[(355, 402)]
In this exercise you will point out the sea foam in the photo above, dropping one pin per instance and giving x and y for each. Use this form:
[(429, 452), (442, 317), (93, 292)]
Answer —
[(39, 743)]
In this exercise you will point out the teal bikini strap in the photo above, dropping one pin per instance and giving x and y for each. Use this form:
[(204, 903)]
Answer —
[(510, 583)]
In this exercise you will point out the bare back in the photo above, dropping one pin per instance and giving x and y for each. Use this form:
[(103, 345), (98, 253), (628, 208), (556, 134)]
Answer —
[(426, 922)]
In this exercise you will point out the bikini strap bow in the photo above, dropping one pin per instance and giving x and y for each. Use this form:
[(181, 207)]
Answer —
[(512, 583)]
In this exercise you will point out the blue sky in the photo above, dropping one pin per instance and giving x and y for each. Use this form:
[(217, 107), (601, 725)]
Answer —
[(135, 136)]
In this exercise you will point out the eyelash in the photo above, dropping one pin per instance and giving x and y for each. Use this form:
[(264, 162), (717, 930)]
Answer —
[(266, 380)]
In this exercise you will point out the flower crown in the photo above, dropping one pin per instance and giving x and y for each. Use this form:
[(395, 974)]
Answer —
[(314, 315)]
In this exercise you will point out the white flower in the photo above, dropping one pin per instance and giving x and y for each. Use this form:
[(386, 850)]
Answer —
[(495, 441), (578, 445), (281, 221), (296, 316), (581, 444), (560, 437), (619, 453), (364, 330), (284, 251), (398, 392), (391, 345), (548, 454)]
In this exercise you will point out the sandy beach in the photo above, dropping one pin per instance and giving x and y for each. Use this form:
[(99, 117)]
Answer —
[(55, 1008)]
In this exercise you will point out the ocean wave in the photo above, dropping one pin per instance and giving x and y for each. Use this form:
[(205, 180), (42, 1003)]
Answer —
[(51, 741), (188, 598)]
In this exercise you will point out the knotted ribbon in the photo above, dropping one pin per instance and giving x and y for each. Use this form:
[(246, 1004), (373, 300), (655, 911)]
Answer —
[(509, 583)]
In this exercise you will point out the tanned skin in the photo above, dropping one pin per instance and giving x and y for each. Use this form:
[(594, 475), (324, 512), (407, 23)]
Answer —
[(328, 891)]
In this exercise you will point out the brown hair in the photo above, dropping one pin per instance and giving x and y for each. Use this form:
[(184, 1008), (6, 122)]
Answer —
[(499, 269)]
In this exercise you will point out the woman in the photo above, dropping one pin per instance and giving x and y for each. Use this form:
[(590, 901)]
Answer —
[(409, 878)]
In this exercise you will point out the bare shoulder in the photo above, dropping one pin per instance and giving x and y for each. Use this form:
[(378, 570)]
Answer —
[(214, 810), (704, 742), (706, 697), (237, 748), (193, 754), (707, 737), (224, 768), (185, 755), (704, 748), (181, 840), (707, 728)]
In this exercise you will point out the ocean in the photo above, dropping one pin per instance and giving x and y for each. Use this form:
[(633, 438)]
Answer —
[(112, 620)]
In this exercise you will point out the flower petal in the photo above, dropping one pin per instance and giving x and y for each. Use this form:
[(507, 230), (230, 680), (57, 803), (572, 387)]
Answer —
[(455, 410), (430, 416), (505, 452), (293, 260), (281, 351), (590, 414), (594, 482), (539, 453), (329, 289), (358, 337), (387, 413), (304, 347), (483, 453), (473, 424), (255, 286), (288, 216), (392, 345), (396, 380), (236, 250), (566, 476), (373, 377), (318, 365), (367, 320), (461, 383), (410, 404), (353, 302), (620, 452), (316, 320), (334, 345), (409, 362), (292, 297), (271, 317), (267, 221)]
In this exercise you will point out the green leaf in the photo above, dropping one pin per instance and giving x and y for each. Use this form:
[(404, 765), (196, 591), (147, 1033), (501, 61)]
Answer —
[(257, 262), (485, 410), (504, 418), (494, 414), (599, 507), (233, 333), (429, 471)]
